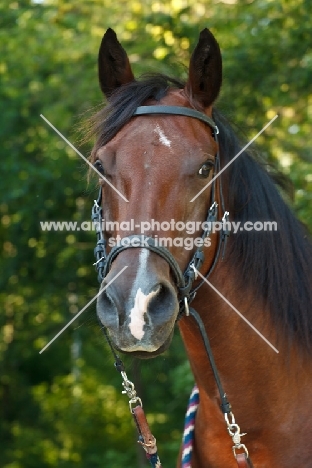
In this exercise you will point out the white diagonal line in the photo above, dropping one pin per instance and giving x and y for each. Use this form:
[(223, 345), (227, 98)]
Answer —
[(235, 310), (82, 310), (235, 157), (82, 156)]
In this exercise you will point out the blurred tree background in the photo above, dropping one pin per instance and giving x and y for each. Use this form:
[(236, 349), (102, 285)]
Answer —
[(64, 408)]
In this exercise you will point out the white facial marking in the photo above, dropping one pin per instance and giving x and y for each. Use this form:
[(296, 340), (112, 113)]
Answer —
[(136, 317), (141, 300), (162, 137), (137, 321)]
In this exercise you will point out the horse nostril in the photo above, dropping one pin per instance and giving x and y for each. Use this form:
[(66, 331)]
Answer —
[(162, 304), (108, 309)]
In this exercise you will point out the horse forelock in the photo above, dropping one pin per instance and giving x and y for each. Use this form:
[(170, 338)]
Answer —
[(121, 105)]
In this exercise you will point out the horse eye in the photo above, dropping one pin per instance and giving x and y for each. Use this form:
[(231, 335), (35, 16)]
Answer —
[(99, 167), (205, 169)]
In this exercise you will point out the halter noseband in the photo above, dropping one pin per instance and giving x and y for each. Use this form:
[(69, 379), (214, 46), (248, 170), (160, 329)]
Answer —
[(184, 281)]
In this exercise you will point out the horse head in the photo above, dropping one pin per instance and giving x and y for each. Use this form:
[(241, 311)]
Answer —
[(159, 163)]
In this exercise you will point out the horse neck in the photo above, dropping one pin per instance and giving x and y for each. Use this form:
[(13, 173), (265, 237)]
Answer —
[(261, 385), (243, 358)]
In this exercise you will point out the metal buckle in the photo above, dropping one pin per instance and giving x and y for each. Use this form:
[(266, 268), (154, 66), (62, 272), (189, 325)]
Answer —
[(213, 208), (186, 306), (225, 217), (195, 271)]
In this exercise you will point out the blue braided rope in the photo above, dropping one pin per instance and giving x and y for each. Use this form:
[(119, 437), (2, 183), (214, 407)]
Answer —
[(189, 424), (154, 460)]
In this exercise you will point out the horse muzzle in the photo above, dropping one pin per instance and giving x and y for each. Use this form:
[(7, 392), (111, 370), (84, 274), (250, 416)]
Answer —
[(140, 307)]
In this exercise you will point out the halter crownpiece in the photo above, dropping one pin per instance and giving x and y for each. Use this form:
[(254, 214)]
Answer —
[(177, 110)]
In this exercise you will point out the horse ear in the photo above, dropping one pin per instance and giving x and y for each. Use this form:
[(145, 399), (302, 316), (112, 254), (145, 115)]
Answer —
[(205, 71), (113, 64)]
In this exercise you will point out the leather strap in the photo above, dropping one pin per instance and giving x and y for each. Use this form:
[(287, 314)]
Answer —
[(243, 461), (176, 110), (147, 440), (225, 405), (140, 241)]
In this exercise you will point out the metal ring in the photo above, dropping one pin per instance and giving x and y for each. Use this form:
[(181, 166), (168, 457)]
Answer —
[(186, 306), (241, 446), (134, 401)]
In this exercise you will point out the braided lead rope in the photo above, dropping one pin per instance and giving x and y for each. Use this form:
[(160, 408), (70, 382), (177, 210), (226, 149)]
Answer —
[(154, 460), (189, 425)]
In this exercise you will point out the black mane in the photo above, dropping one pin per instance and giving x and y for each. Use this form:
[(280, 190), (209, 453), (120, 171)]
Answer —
[(276, 265)]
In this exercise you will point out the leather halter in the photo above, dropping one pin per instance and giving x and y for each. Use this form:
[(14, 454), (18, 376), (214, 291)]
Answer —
[(184, 281)]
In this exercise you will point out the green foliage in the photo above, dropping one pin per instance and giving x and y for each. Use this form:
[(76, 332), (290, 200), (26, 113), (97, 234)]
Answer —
[(63, 408)]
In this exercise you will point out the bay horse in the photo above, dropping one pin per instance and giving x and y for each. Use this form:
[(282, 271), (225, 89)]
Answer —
[(161, 143)]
